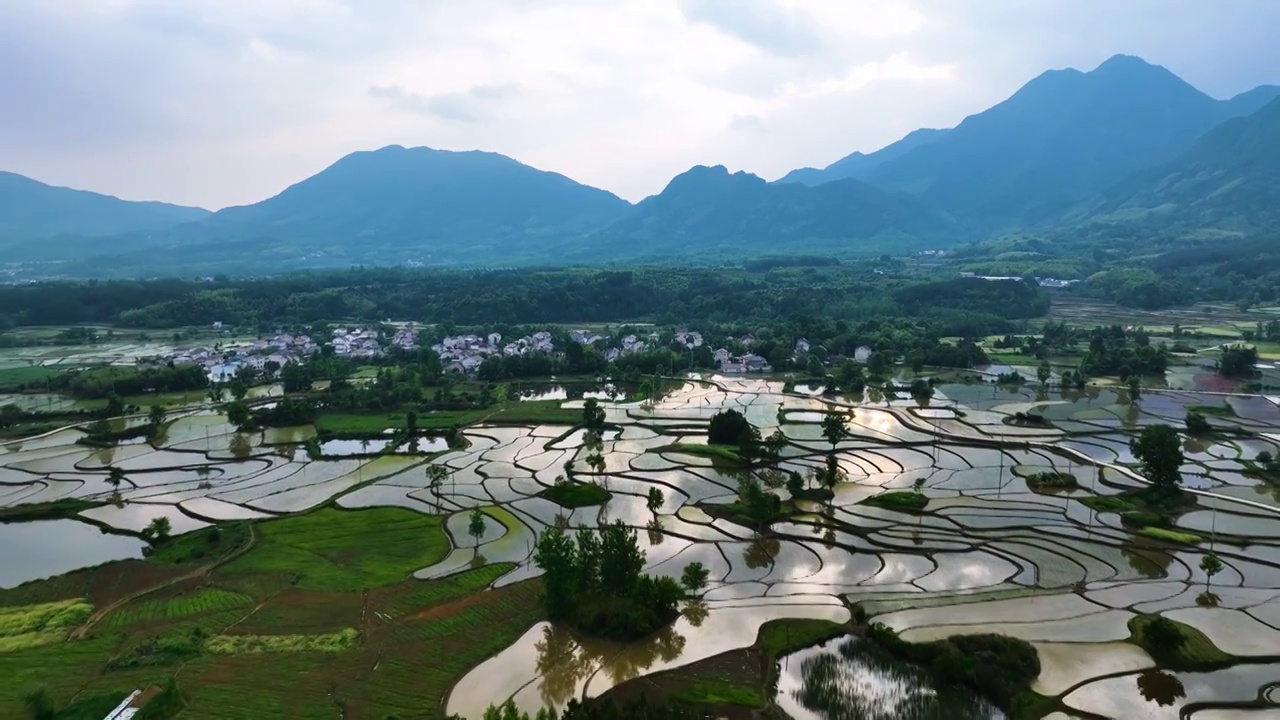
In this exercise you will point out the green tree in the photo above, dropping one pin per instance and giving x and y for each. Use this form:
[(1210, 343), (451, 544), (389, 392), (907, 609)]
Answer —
[(115, 406), (1135, 388), (1164, 635), (833, 428), (1159, 450), (556, 555), (620, 558), (158, 529), (238, 413), (156, 416), (654, 500), (592, 414), (436, 475), (1044, 372), (239, 389), (475, 527), (1197, 423), (115, 476), (795, 484), (694, 577), (411, 422), (1210, 565), (917, 485), (215, 392), (832, 473)]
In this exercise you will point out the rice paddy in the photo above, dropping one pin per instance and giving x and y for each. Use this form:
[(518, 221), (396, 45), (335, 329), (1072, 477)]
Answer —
[(353, 585)]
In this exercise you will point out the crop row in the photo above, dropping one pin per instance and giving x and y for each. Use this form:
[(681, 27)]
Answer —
[(198, 602)]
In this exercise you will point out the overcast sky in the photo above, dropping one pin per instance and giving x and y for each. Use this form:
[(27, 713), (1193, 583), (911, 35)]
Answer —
[(225, 102)]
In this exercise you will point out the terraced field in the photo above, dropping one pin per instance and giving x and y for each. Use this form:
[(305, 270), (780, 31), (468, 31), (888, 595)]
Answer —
[(363, 593)]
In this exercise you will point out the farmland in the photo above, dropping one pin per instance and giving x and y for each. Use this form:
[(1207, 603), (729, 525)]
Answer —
[(358, 585)]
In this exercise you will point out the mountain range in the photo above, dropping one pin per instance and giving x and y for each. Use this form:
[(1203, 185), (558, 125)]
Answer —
[(1125, 142)]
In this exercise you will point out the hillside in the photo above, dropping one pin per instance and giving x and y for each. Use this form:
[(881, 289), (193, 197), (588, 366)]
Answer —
[(1061, 138), (31, 211), (1228, 180), (859, 165), (707, 211)]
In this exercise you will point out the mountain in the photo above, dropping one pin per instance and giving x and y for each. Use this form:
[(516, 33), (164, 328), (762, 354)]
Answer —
[(31, 211), (858, 165), (1228, 180), (1061, 138), (421, 203), (707, 211)]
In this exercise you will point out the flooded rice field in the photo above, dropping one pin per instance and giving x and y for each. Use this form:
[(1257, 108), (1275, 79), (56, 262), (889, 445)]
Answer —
[(987, 554)]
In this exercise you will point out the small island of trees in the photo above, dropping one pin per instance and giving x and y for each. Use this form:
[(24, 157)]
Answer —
[(593, 582)]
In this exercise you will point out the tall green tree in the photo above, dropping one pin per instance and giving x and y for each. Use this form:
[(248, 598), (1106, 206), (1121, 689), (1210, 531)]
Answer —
[(475, 526), (1159, 450), (834, 428)]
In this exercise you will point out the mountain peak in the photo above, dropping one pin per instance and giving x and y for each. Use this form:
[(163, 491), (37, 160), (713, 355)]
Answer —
[(1120, 60)]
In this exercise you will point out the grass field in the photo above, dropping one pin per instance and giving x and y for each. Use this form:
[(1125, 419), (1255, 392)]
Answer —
[(318, 619), (1196, 653), (14, 377), (343, 550)]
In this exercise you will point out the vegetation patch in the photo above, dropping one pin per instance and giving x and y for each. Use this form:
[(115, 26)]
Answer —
[(168, 648), (203, 545), (997, 667), (31, 626), (252, 644), (1146, 507), (727, 453), (1175, 646), (202, 600), (1223, 410), (778, 637), (55, 510), (576, 494), (900, 500), (714, 692), (1176, 536), (331, 549), (1051, 480)]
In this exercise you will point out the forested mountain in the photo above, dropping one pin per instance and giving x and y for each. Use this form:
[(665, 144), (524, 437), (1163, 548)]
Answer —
[(1063, 137), (1228, 180), (31, 211), (859, 165), (398, 204), (708, 211)]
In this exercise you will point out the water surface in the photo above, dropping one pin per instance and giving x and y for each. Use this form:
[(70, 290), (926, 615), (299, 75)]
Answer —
[(35, 550)]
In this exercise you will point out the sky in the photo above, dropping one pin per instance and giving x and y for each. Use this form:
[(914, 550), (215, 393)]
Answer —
[(227, 102)]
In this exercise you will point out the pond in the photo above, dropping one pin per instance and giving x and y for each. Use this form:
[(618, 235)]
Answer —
[(572, 391), (341, 448), (849, 679), (34, 550)]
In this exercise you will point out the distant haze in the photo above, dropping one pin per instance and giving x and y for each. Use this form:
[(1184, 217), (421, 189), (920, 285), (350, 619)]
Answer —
[(213, 103)]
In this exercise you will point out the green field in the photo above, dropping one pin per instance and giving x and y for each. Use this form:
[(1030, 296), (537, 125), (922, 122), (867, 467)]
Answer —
[(292, 628), (343, 550)]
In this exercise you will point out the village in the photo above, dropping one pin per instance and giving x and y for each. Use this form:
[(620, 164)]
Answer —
[(461, 353)]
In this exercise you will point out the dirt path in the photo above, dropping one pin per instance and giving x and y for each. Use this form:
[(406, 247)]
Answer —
[(97, 616)]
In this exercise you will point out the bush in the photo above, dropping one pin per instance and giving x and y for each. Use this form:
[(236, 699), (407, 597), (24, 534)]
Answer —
[(1052, 480), (576, 495), (900, 500)]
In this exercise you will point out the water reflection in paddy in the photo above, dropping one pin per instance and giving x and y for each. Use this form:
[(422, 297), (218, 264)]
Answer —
[(34, 550), (848, 679)]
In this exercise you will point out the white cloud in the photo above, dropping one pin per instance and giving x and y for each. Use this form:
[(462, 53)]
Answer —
[(218, 102)]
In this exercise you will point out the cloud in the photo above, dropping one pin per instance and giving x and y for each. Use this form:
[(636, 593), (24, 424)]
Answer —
[(218, 102), (767, 24), (470, 106)]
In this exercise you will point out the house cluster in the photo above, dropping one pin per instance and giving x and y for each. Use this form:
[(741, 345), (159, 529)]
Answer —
[(1044, 282), (359, 342), (464, 353), (632, 344), (747, 363), (223, 363)]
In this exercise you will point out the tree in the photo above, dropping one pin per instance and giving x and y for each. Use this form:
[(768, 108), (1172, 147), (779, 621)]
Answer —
[(411, 422), (215, 393), (592, 414), (654, 500), (475, 528), (729, 427), (832, 473), (1197, 423), (1210, 565), (694, 577), (156, 416), (596, 462), (921, 389), (1159, 450), (620, 558), (436, 475), (759, 506), (115, 406), (115, 476), (1044, 372), (239, 389), (795, 483), (238, 413), (1135, 388), (158, 529), (556, 555), (1163, 635), (917, 485), (833, 428)]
